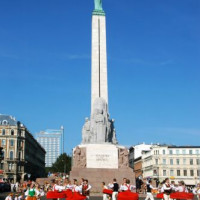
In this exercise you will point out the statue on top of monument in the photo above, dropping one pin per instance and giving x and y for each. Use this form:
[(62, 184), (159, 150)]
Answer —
[(98, 5)]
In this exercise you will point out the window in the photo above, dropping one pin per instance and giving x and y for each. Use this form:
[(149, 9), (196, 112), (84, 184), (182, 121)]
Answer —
[(191, 172), (1, 166), (11, 155), (198, 161), (4, 122), (171, 162), (3, 132), (163, 152), (19, 168), (184, 161), (191, 161), (3, 142), (164, 173), (19, 132), (185, 172), (156, 161), (177, 151), (171, 172), (12, 132), (164, 161), (11, 143), (10, 166), (178, 172), (155, 172), (3, 154), (198, 172), (197, 151), (177, 161), (184, 151), (170, 152), (190, 152), (19, 155), (156, 152)]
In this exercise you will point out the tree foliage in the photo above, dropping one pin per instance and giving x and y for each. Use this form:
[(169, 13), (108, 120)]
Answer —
[(62, 164)]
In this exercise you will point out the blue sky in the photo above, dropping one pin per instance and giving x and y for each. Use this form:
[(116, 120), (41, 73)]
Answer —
[(153, 67)]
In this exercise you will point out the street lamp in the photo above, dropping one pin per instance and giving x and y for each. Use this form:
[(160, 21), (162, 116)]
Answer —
[(63, 138)]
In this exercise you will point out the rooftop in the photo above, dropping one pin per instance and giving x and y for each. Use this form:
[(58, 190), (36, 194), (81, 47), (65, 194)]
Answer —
[(8, 120)]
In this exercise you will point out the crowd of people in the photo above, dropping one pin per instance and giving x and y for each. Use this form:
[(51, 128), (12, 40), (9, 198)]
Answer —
[(116, 188), (168, 188), (33, 191)]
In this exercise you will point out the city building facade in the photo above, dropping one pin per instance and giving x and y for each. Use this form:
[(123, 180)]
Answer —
[(179, 163), (52, 141), (136, 152), (23, 156), (138, 167)]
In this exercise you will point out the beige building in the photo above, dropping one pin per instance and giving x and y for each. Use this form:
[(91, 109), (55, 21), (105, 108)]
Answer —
[(23, 156), (176, 162)]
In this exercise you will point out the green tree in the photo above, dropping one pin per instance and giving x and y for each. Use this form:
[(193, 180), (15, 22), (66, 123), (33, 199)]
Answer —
[(62, 164)]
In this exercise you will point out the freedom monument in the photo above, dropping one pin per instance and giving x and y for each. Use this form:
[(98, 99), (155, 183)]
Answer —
[(99, 158)]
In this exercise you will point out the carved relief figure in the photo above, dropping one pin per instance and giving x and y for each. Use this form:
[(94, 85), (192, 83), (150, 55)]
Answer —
[(79, 158), (123, 158)]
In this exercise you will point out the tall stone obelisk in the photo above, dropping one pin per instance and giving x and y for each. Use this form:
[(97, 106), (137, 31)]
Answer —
[(99, 55), (99, 158), (99, 128)]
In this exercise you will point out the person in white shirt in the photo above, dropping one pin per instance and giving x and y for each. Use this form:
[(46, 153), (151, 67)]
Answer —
[(173, 186), (149, 190), (167, 189), (122, 186), (56, 186), (86, 187), (17, 186), (9, 197), (68, 185), (181, 187), (12, 187), (115, 187), (16, 197), (76, 187), (196, 191), (127, 186), (21, 197), (105, 196)]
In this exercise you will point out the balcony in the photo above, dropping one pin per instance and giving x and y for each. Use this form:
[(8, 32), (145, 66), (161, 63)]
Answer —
[(7, 171)]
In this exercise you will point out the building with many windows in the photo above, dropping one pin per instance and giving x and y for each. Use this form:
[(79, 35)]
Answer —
[(52, 141), (176, 162), (23, 156)]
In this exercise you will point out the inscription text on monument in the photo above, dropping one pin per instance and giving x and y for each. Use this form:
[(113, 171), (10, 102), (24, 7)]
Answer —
[(102, 156)]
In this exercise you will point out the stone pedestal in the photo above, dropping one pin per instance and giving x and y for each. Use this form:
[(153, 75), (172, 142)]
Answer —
[(101, 163)]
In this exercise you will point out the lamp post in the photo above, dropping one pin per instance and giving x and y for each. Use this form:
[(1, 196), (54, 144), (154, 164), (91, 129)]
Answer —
[(63, 138)]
